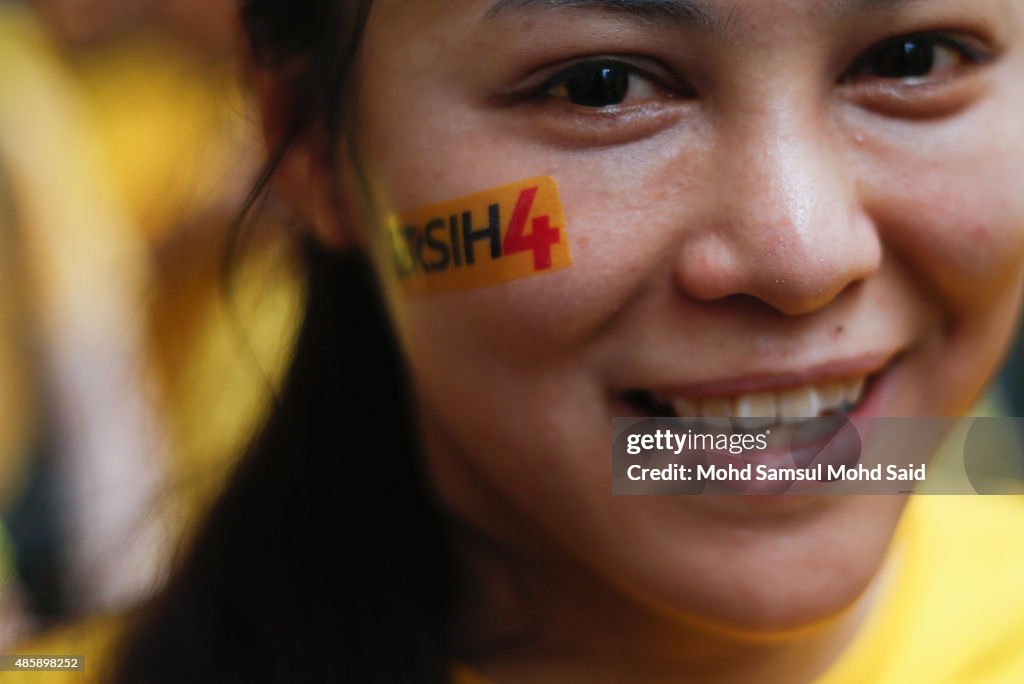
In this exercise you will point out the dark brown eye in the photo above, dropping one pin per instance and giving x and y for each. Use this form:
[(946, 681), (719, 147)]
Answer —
[(905, 58), (599, 85)]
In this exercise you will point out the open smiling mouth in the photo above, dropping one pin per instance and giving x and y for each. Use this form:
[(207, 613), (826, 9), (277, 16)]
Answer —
[(834, 397)]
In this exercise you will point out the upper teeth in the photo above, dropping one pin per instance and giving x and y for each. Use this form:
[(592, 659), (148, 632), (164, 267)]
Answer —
[(800, 402)]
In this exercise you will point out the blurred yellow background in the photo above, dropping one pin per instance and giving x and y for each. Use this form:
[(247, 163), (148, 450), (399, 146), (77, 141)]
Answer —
[(133, 372)]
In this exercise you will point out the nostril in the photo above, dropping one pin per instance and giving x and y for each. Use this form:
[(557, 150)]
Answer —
[(814, 300), (741, 306)]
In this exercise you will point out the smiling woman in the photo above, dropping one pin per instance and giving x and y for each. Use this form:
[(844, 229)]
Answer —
[(774, 210)]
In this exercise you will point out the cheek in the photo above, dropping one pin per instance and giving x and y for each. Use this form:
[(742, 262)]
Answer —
[(967, 235), (510, 376), (948, 205), (613, 224), (967, 232), (951, 206)]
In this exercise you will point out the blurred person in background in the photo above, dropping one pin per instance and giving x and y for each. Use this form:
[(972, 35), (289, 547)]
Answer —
[(176, 127), (84, 455), (123, 341), (16, 399)]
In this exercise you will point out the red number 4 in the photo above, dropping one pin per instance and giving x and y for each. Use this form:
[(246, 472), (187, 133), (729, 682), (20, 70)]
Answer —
[(540, 239)]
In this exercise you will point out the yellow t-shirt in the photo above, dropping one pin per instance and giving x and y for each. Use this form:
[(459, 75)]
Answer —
[(955, 609), (953, 612), (127, 165)]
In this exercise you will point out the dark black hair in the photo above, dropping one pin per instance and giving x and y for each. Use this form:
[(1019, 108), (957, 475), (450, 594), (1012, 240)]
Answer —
[(326, 558)]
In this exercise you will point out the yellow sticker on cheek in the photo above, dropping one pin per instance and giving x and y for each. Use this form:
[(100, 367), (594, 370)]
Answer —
[(491, 237)]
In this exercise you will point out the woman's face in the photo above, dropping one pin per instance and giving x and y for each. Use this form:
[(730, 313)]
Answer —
[(762, 200)]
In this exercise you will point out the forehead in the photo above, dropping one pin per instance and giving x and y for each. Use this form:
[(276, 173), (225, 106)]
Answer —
[(716, 16)]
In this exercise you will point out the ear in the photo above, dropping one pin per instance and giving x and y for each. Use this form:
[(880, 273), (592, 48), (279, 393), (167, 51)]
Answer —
[(305, 176)]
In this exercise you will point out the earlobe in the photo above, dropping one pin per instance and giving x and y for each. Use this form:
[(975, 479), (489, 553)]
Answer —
[(308, 184), (304, 173)]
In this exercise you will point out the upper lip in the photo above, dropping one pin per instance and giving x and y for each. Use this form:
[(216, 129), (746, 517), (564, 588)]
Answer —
[(775, 381)]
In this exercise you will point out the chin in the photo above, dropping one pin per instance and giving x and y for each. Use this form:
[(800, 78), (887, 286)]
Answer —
[(777, 571)]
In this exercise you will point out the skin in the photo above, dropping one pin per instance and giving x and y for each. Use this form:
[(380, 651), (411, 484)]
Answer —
[(763, 211)]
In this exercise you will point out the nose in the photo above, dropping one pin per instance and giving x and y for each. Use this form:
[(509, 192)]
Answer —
[(782, 219)]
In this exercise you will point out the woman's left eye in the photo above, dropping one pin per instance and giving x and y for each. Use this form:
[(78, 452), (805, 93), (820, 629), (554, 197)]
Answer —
[(915, 58), (600, 85)]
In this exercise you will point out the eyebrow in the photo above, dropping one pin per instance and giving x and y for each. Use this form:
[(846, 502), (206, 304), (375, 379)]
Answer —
[(852, 6), (689, 12), (694, 13)]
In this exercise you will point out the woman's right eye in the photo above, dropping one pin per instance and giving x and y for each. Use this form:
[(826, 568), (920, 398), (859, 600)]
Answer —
[(601, 85)]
